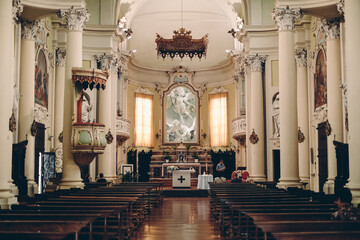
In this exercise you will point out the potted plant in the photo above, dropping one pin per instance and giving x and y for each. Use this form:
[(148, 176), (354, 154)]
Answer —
[(195, 156), (167, 156)]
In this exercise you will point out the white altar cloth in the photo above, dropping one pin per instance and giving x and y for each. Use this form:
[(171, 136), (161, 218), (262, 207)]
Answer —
[(203, 181), (181, 178)]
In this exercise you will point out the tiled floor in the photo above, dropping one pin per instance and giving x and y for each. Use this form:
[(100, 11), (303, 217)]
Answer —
[(179, 218)]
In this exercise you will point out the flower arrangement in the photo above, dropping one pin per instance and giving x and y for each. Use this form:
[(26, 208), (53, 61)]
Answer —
[(172, 168)]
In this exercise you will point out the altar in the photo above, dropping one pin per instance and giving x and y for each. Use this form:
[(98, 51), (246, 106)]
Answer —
[(182, 166), (181, 178)]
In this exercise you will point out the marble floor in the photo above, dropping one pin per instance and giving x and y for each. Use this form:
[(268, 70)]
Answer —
[(179, 218)]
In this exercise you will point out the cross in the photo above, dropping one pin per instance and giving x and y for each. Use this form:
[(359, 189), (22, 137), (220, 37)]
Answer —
[(181, 179)]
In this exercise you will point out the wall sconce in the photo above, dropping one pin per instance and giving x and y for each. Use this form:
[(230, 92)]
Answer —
[(157, 135), (128, 33), (204, 135)]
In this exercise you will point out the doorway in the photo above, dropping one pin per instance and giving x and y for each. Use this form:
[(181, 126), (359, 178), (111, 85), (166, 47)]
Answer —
[(276, 158), (322, 155)]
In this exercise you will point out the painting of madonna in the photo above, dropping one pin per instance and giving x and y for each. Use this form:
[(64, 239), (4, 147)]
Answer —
[(320, 80), (41, 81)]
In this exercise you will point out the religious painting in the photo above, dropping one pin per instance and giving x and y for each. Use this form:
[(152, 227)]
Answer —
[(320, 90), (41, 80), (181, 115)]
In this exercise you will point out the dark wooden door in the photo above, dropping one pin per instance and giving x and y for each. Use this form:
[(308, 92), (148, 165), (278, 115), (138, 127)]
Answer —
[(322, 155), (276, 157), (39, 148)]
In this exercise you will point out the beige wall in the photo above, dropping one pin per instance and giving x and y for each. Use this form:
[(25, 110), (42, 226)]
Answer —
[(204, 123)]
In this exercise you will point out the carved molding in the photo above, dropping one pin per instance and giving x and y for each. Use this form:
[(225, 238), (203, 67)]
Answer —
[(340, 7), (41, 114), (59, 159), (30, 29), (285, 18), (301, 136), (107, 62), (320, 114), (109, 137), (60, 57), (75, 18), (256, 62), (12, 122), (254, 137), (219, 90), (143, 90), (331, 28), (301, 58), (17, 9), (33, 128)]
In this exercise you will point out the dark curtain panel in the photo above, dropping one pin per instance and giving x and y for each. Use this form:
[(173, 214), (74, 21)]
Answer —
[(131, 158), (228, 157), (144, 165)]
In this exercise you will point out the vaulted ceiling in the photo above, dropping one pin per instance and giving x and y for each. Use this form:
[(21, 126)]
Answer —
[(213, 17)]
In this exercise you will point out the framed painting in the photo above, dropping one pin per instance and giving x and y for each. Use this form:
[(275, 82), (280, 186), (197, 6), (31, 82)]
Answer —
[(125, 168), (180, 115), (41, 80)]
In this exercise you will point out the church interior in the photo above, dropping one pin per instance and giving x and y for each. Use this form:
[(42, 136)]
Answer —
[(167, 99)]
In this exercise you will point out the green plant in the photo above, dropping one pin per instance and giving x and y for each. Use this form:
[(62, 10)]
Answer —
[(195, 155), (129, 177), (166, 155)]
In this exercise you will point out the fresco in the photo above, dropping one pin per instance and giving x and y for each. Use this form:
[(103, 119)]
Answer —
[(41, 81), (320, 80), (181, 116)]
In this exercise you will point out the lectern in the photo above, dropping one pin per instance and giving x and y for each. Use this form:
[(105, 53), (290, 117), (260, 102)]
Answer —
[(181, 178)]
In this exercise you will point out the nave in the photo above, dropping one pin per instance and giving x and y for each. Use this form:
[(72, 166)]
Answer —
[(180, 218)]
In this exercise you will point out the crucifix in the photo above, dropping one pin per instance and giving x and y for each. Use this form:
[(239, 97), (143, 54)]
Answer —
[(181, 179)]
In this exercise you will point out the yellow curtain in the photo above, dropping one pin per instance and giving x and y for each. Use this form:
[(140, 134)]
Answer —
[(218, 122), (144, 122)]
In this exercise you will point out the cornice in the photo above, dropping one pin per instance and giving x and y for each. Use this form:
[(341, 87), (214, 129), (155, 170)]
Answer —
[(54, 4), (306, 4)]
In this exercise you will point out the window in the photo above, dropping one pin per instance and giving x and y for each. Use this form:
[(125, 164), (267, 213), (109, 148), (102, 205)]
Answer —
[(144, 130), (218, 122)]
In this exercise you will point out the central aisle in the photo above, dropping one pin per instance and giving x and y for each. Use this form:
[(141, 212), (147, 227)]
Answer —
[(179, 218)]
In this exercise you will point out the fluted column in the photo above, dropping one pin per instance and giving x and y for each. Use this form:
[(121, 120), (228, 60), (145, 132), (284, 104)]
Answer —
[(59, 107), (27, 98), (75, 21), (105, 110), (257, 119), (352, 36), (334, 97), (6, 196), (289, 166), (303, 116)]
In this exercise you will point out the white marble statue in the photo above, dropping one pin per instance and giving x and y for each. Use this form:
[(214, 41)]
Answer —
[(180, 99), (276, 115), (179, 132), (86, 109)]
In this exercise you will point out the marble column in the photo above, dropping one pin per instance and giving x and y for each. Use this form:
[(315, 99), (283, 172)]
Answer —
[(303, 116), (27, 98), (105, 110), (59, 107), (334, 97), (75, 22), (289, 166), (6, 79), (257, 118), (352, 50)]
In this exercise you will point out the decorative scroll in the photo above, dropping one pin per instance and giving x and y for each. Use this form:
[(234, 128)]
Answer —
[(181, 45), (61, 137), (253, 137), (84, 78), (301, 136)]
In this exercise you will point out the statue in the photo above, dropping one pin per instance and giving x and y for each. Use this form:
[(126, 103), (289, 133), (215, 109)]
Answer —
[(86, 109), (276, 115)]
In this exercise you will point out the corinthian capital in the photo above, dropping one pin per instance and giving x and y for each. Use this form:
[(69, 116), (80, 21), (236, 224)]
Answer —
[(300, 57), (284, 18), (75, 18), (106, 61), (17, 9), (60, 57), (256, 62), (331, 28), (30, 29)]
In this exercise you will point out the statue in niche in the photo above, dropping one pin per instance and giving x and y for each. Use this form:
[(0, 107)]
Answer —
[(276, 115), (86, 109)]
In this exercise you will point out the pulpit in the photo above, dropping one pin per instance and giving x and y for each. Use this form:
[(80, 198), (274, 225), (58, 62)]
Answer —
[(181, 178)]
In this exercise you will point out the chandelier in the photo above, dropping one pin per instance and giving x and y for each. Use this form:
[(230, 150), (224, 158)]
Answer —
[(181, 44)]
